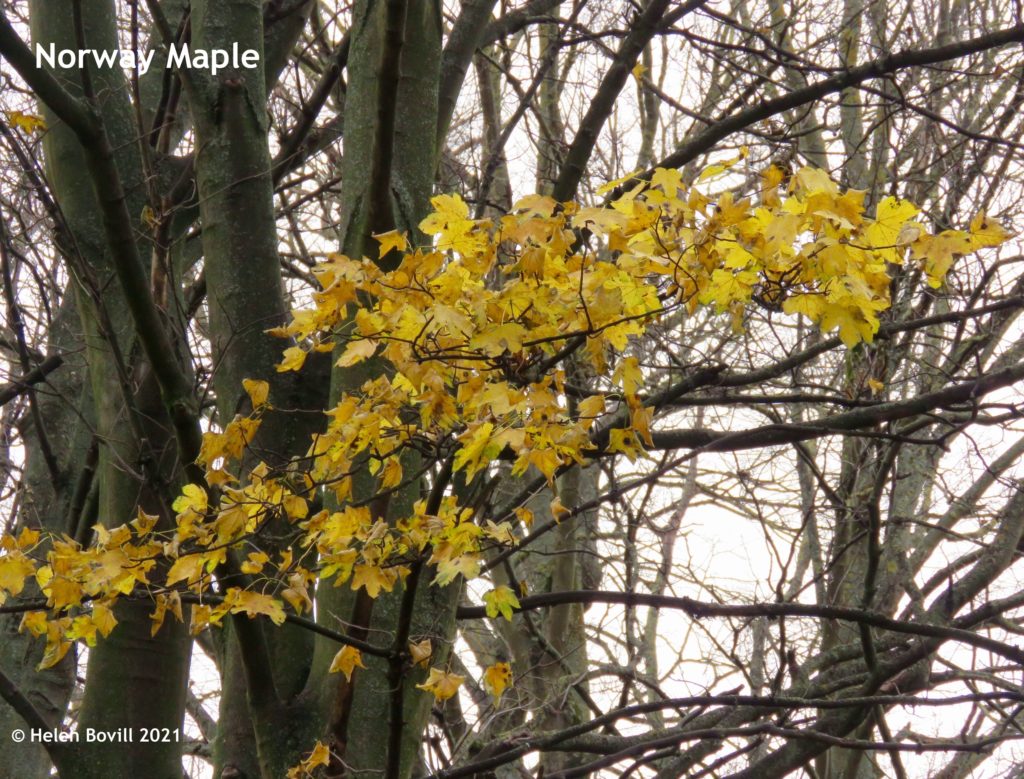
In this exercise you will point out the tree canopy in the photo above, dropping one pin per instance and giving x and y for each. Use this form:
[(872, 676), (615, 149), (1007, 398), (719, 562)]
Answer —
[(543, 389)]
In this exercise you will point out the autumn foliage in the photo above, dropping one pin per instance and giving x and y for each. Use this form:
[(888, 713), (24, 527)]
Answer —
[(477, 335)]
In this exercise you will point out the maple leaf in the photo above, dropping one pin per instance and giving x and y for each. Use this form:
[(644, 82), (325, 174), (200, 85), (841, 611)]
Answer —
[(294, 358), (320, 756), (14, 569), (373, 579), (27, 123), (441, 684), (187, 569), (986, 231), (497, 678), (192, 499), (346, 661), (57, 647), (391, 473), (558, 509), (624, 441), (356, 351), (144, 523), (34, 622), (257, 390), (501, 600), (420, 652), (165, 602), (884, 232), (467, 565), (478, 449), (525, 516), (254, 603), (390, 241)]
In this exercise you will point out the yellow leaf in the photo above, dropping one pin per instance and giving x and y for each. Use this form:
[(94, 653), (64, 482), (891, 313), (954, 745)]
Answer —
[(34, 622), (421, 652), (441, 684), (501, 600), (257, 390), (986, 231), (346, 661), (627, 375), (187, 569), (148, 217), (298, 598), (14, 569), (391, 475), (295, 506), (392, 240), (525, 516), (604, 189), (876, 386), (254, 604), (497, 678), (558, 510), (56, 647), (255, 562), (591, 408), (144, 523), (467, 565), (294, 358), (478, 449), (356, 352), (27, 123), (27, 538), (624, 441), (103, 618), (373, 578), (192, 498), (320, 756)]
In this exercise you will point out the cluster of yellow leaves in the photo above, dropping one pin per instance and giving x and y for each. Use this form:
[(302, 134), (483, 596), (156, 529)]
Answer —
[(468, 335), (80, 585)]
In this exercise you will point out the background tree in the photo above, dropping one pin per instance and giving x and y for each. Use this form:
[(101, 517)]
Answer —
[(155, 226)]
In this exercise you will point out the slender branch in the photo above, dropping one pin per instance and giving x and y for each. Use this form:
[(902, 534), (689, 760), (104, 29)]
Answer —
[(514, 21), (68, 108), (583, 145), (700, 609), (290, 144), (883, 66), (9, 392), (774, 435)]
